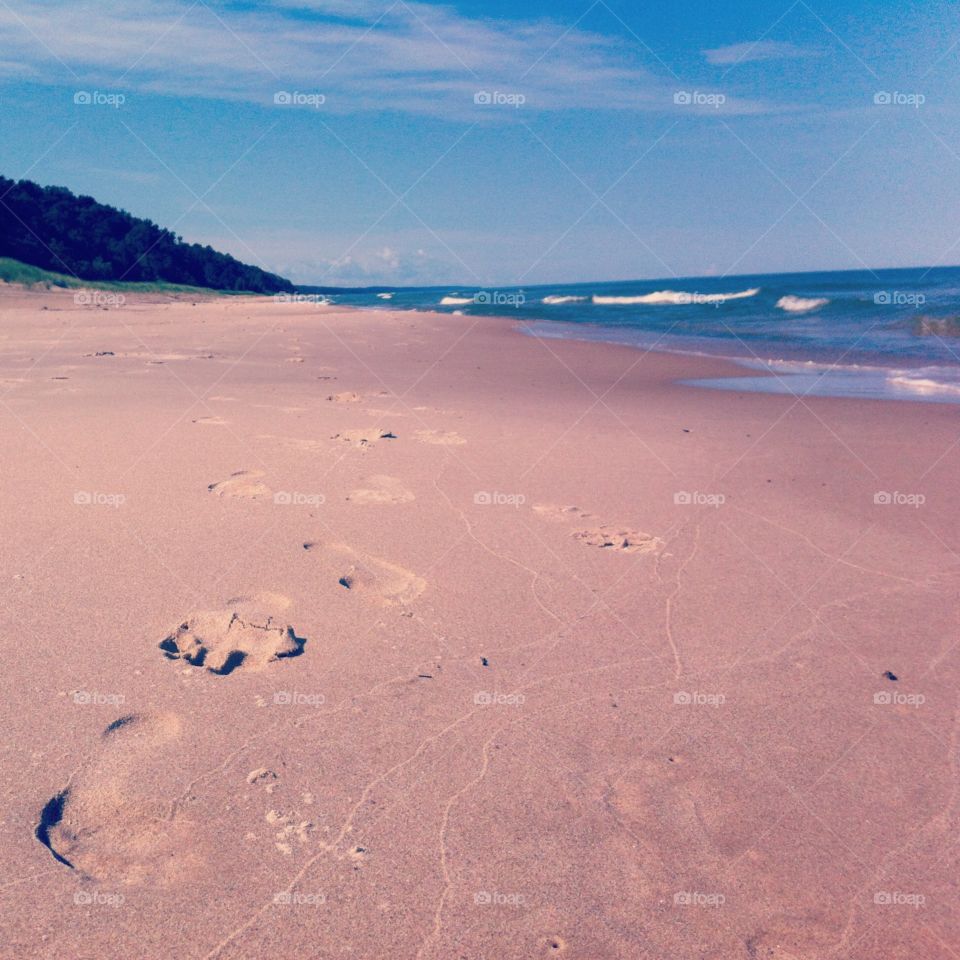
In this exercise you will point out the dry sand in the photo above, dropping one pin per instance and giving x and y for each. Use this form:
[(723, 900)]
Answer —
[(339, 634)]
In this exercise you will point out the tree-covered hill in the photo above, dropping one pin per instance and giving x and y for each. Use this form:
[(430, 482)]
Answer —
[(50, 227)]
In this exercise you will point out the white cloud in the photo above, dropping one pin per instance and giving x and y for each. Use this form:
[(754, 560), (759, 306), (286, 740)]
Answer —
[(758, 50), (371, 268), (316, 257), (362, 55)]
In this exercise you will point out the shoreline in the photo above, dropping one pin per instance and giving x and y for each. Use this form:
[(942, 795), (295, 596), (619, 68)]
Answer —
[(802, 375), (302, 603), (806, 377)]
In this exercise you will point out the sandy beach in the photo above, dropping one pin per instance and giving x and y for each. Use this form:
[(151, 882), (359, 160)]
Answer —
[(334, 633)]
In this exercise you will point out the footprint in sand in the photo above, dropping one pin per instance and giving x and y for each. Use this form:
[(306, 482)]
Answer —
[(364, 436), (383, 583), (607, 536), (242, 485), (381, 489), (289, 831), (113, 822), (247, 633), (619, 539), (443, 438), (211, 421), (265, 778)]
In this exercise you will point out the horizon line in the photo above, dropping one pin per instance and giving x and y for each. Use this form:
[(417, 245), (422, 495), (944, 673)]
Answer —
[(384, 287)]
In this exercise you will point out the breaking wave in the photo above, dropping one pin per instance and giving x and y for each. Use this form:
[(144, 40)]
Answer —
[(794, 304), (924, 385), (678, 297)]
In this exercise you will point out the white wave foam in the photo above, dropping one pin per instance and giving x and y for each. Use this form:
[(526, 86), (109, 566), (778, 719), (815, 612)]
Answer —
[(455, 301), (678, 297), (556, 300), (385, 296), (794, 304), (923, 385)]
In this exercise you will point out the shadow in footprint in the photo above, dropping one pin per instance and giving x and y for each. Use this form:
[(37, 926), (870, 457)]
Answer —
[(300, 643), (50, 816), (126, 721), (233, 660), (172, 652)]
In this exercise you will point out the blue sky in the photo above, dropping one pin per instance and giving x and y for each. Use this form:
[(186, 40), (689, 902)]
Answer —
[(620, 140)]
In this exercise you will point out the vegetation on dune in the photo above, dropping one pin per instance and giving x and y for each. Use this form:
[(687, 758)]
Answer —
[(13, 271), (75, 238)]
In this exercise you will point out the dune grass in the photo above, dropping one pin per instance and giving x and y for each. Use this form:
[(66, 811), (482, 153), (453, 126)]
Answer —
[(13, 271)]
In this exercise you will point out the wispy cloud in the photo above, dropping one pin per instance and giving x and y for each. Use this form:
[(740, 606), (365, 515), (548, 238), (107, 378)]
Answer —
[(361, 55), (758, 50), (384, 265)]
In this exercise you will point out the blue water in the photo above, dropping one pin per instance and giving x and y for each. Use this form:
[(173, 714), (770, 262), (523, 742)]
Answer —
[(891, 334)]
